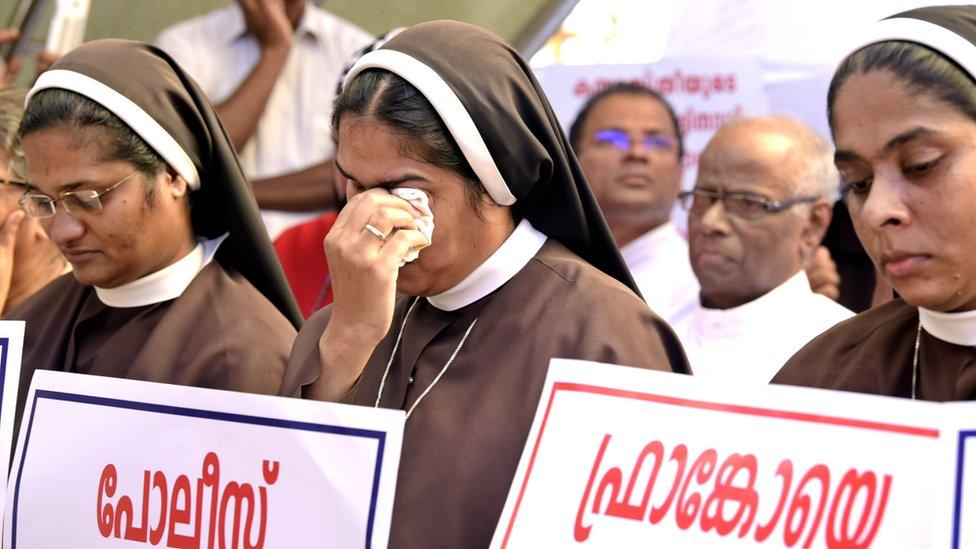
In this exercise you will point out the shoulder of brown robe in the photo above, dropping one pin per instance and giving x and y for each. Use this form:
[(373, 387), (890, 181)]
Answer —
[(856, 354), (303, 362), (48, 300), (233, 336), (616, 325), (248, 339)]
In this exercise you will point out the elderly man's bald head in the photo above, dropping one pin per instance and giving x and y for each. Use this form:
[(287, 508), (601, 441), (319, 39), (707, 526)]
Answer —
[(775, 182), (793, 143)]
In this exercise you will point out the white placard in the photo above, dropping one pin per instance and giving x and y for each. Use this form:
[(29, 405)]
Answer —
[(961, 476), (622, 457), (105, 462), (11, 350)]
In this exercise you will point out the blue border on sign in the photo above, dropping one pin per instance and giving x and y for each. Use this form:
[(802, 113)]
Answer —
[(380, 436), (4, 345), (957, 503)]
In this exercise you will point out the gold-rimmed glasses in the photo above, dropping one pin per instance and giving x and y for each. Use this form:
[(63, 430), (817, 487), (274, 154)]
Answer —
[(742, 205), (40, 205)]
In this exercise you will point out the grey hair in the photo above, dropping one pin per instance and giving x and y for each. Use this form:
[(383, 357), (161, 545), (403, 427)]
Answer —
[(11, 111), (817, 177)]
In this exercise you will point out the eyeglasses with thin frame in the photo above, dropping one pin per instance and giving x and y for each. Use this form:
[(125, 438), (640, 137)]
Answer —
[(621, 140), (742, 205), (82, 201)]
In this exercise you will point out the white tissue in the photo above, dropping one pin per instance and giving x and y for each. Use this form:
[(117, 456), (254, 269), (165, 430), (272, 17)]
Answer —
[(425, 224)]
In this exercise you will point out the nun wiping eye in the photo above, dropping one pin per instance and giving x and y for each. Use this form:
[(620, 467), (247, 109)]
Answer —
[(451, 153)]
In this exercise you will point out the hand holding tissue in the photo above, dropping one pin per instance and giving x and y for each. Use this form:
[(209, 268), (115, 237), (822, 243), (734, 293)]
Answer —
[(425, 223)]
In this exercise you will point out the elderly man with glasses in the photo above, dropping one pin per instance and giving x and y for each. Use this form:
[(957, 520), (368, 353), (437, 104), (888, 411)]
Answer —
[(760, 207)]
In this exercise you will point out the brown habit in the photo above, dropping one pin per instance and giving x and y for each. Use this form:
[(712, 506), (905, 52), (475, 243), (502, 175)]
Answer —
[(220, 333), (463, 442), (873, 353), (230, 328)]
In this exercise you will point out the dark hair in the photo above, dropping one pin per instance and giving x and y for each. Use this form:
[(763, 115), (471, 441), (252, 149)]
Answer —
[(55, 107), (576, 130), (394, 101), (923, 69)]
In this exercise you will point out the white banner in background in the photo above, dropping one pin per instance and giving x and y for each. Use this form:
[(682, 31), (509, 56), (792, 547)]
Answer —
[(622, 457), (704, 93), (11, 350), (105, 462)]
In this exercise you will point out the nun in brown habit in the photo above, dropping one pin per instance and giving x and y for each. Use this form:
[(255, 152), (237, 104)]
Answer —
[(174, 279), (902, 110), (521, 268)]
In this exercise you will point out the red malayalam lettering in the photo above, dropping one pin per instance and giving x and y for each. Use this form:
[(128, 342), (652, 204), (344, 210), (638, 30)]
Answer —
[(719, 495), (701, 84), (851, 485), (185, 509), (744, 498), (694, 120)]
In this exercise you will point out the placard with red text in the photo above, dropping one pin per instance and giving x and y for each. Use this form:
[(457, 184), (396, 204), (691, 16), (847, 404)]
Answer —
[(623, 457), (11, 350), (107, 462)]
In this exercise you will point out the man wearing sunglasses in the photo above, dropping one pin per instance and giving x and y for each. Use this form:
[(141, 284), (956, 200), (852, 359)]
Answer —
[(756, 216), (628, 142)]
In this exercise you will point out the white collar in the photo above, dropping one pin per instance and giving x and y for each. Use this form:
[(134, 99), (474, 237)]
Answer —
[(516, 252), (165, 284), (958, 328), (650, 243), (716, 323)]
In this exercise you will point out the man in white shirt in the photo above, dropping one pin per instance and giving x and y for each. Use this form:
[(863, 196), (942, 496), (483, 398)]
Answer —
[(270, 67), (757, 214), (628, 142)]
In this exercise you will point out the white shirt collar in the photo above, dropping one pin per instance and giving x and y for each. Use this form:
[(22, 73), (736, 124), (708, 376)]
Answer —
[(649, 243), (165, 284), (957, 328), (718, 323), (516, 252)]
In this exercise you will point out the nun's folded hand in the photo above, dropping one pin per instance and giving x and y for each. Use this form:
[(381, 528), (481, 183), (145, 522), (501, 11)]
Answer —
[(365, 249)]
